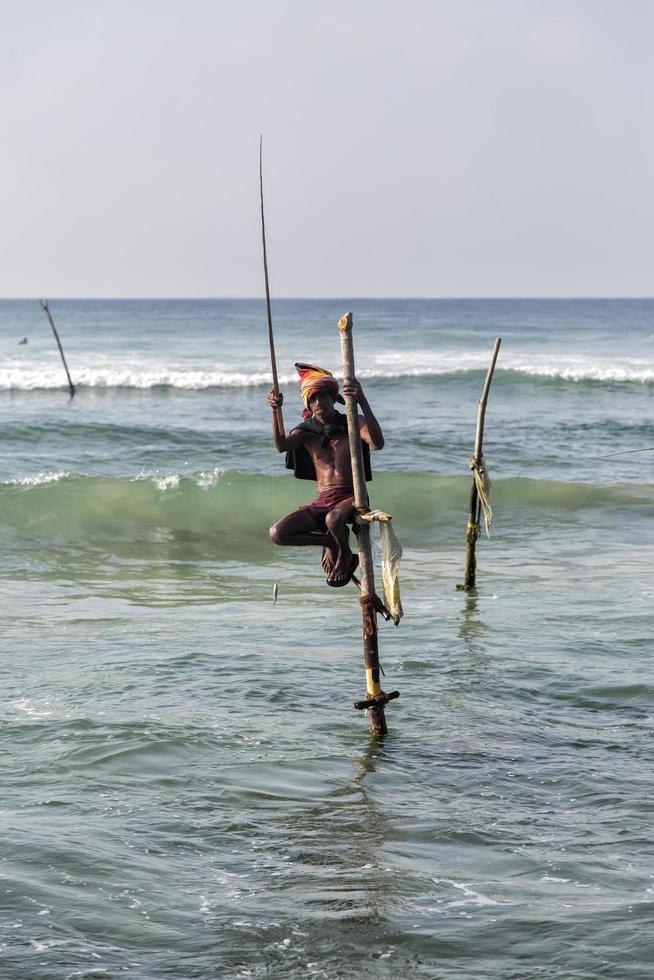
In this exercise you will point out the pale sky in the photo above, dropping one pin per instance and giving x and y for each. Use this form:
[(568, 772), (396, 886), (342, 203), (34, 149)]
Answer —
[(411, 148)]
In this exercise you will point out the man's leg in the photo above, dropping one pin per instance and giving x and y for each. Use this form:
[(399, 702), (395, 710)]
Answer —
[(301, 527), (337, 521)]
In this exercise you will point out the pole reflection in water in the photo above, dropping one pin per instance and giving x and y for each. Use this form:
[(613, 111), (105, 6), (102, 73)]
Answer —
[(473, 630)]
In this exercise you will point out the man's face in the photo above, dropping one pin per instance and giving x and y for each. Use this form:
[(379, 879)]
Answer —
[(322, 404)]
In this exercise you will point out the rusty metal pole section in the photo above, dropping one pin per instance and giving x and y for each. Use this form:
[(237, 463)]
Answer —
[(375, 698)]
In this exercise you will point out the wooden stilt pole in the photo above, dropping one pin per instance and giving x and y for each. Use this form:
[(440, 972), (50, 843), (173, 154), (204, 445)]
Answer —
[(375, 698), (71, 386), (474, 515)]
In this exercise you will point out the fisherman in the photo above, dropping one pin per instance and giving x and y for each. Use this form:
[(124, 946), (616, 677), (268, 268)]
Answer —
[(319, 449)]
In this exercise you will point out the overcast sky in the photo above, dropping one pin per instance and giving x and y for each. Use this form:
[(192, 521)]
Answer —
[(411, 148)]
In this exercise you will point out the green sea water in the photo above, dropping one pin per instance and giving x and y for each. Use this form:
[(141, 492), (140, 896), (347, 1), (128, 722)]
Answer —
[(187, 789)]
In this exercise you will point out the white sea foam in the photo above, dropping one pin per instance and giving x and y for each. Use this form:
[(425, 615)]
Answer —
[(162, 481), (32, 708), (140, 378), (209, 478), (384, 365), (170, 482), (35, 479), (571, 368), (471, 897)]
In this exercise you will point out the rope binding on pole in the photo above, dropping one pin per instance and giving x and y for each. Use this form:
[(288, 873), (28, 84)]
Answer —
[(483, 483)]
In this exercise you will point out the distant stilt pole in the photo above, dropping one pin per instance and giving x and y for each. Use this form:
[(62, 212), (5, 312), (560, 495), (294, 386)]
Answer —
[(71, 386), (375, 698), (477, 462)]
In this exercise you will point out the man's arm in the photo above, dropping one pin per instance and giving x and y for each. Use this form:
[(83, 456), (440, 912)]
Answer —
[(281, 441), (369, 427)]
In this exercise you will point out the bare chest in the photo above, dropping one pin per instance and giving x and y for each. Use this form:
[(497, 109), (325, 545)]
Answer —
[(335, 455)]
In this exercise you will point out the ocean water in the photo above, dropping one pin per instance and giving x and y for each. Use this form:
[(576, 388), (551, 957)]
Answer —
[(187, 791)]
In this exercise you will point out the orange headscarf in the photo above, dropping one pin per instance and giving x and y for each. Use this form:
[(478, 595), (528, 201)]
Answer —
[(313, 378)]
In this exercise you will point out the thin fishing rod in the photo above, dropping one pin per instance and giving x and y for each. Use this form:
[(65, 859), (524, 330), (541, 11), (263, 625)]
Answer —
[(279, 421), (71, 386), (271, 339)]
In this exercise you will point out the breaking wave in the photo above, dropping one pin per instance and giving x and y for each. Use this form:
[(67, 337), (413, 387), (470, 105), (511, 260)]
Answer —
[(227, 514), (387, 367)]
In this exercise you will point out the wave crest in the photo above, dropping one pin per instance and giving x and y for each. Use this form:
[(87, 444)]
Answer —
[(227, 514), (416, 364)]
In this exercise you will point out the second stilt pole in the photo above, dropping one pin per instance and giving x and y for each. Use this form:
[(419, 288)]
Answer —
[(477, 466), (375, 699)]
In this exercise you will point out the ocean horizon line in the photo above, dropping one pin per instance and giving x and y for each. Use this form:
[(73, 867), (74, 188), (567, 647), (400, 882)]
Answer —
[(329, 299)]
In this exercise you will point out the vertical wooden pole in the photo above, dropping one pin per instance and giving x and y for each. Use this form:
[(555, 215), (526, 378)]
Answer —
[(376, 715), (474, 515)]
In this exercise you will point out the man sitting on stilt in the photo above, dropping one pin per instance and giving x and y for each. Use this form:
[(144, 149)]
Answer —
[(318, 449)]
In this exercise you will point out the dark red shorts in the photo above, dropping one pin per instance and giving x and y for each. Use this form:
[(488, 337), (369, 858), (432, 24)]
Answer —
[(326, 501)]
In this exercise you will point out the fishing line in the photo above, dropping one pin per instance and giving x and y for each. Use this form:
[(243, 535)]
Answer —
[(275, 591), (624, 452), (597, 459)]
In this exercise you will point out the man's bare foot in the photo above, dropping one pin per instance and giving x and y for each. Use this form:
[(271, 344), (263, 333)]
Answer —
[(343, 570), (328, 560)]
